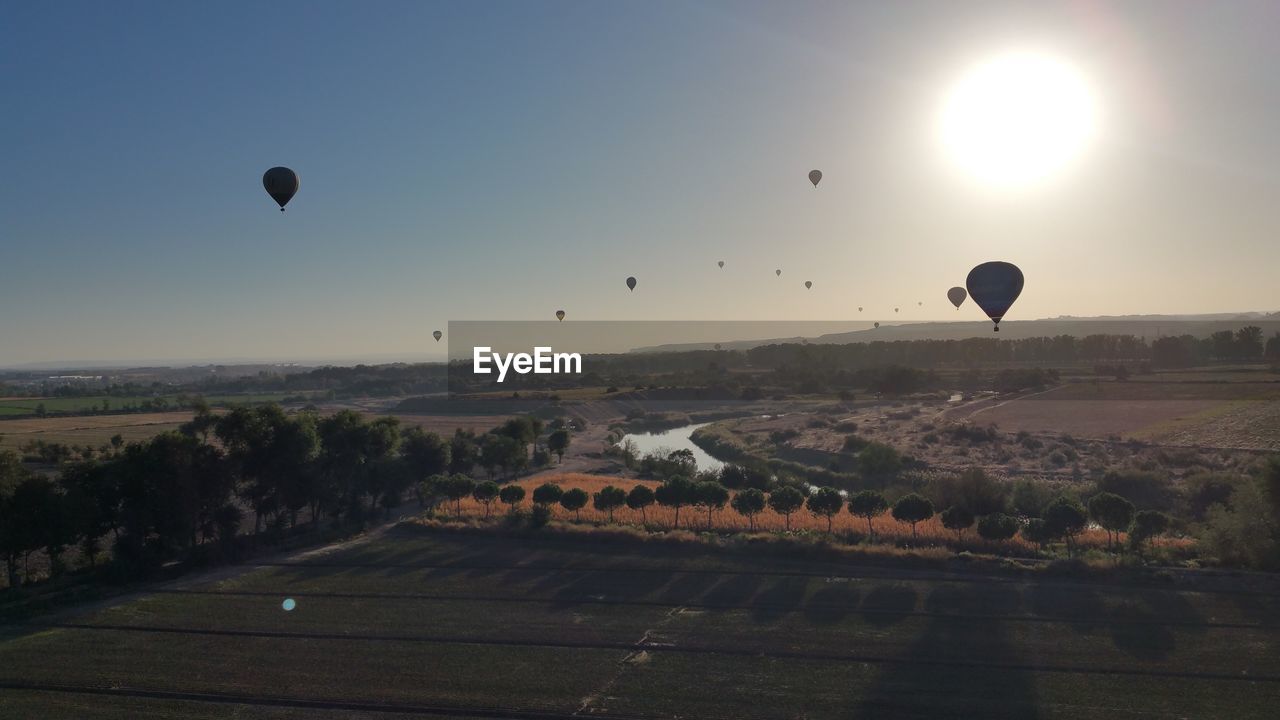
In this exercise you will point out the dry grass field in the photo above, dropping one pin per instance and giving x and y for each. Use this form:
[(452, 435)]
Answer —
[(91, 430)]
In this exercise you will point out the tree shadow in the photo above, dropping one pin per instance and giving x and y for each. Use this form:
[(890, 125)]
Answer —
[(926, 685), (831, 604), (888, 604), (784, 596), (736, 591)]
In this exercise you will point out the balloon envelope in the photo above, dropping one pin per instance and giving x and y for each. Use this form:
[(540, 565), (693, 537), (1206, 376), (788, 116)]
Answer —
[(859, 308), (721, 263), (808, 283), (957, 296), (778, 272), (560, 315), (994, 286), (717, 346), (281, 183), (631, 283), (815, 176), (437, 335), (877, 324)]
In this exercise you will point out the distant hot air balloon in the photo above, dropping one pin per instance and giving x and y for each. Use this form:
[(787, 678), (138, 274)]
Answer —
[(859, 308), (778, 272), (721, 264), (437, 335), (877, 325), (808, 284), (957, 296), (717, 346), (994, 286), (281, 183), (920, 303), (895, 309), (560, 315), (631, 283), (815, 177)]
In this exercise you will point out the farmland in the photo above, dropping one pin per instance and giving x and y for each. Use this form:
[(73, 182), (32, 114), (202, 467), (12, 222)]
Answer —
[(91, 430), (422, 622)]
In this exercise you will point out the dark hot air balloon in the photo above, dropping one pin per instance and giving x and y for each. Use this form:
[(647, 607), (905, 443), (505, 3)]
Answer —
[(560, 315), (778, 272), (631, 283), (957, 296), (994, 286), (717, 346), (859, 308), (437, 335), (281, 183), (815, 177), (721, 264), (877, 325), (808, 284), (895, 309)]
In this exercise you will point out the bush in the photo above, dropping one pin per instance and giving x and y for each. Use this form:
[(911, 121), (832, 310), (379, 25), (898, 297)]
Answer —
[(997, 526)]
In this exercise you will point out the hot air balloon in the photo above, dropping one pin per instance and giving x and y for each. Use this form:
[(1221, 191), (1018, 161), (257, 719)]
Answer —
[(717, 346), (994, 286), (877, 325), (859, 308), (631, 283), (721, 264), (778, 272), (560, 315), (437, 335), (815, 176), (895, 309), (808, 284), (957, 296), (920, 303), (281, 183)]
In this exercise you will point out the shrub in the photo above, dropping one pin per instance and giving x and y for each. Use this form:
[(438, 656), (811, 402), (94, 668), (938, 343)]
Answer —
[(997, 527)]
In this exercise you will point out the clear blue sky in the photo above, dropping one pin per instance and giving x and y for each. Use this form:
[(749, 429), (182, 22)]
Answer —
[(480, 160)]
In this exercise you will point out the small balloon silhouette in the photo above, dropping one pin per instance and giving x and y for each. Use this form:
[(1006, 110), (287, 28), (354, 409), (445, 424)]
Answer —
[(808, 284), (560, 315), (815, 176), (437, 335), (631, 283), (281, 184)]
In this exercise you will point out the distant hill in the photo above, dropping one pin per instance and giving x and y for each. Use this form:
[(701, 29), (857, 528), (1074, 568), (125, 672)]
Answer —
[(1148, 326)]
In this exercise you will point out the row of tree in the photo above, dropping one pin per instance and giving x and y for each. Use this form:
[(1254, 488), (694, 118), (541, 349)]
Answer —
[(189, 491)]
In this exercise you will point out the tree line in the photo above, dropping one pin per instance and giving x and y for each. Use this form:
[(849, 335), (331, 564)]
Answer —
[(191, 493)]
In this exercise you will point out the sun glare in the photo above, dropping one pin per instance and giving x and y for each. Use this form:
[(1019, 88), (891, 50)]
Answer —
[(1017, 118)]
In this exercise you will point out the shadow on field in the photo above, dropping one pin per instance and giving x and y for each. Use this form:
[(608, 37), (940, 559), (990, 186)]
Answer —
[(736, 590), (921, 688), (831, 604), (784, 596), (887, 605)]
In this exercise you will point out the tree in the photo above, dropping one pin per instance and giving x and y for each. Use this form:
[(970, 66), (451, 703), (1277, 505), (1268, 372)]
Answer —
[(957, 519), (1037, 531), (997, 526), (675, 493), (463, 451), (912, 508), (640, 498), (710, 496), (458, 487), (574, 500), (431, 490), (486, 493), (608, 499), (1112, 513), (558, 443), (1147, 524), (825, 502), (784, 501), (868, 504), (879, 461), (1065, 518), (974, 491), (749, 503), (511, 496), (546, 495), (424, 453)]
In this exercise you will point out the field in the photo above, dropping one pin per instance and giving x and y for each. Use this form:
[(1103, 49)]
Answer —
[(89, 430), (421, 624), (28, 406)]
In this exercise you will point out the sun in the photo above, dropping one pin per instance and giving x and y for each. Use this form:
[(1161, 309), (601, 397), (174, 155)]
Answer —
[(1018, 118)]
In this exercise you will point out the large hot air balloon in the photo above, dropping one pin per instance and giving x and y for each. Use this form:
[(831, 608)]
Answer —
[(778, 272), (437, 335), (721, 264), (957, 296), (994, 286), (281, 184), (560, 315), (815, 177), (808, 284), (631, 283)]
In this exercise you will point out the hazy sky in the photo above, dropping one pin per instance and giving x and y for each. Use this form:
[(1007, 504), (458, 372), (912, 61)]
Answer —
[(477, 160)]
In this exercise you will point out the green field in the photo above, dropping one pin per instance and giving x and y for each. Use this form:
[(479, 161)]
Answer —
[(53, 405), (438, 625)]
